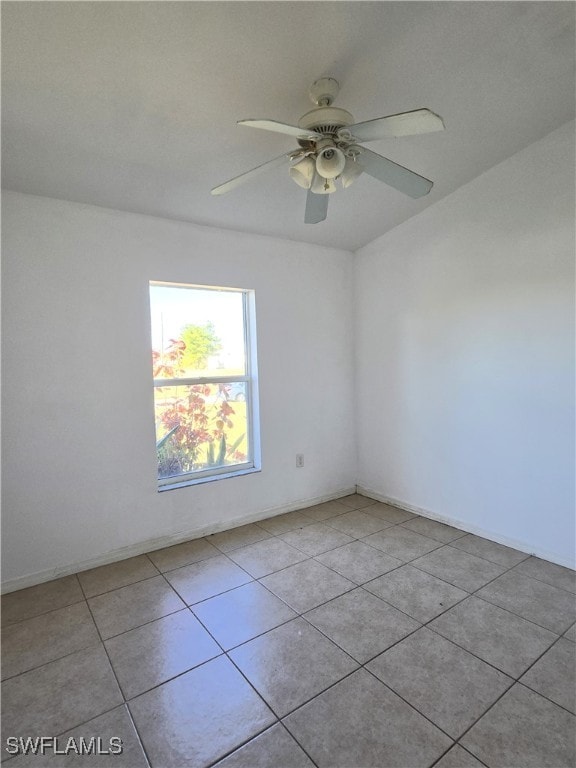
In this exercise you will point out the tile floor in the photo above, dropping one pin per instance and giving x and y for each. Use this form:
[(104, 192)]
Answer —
[(349, 634)]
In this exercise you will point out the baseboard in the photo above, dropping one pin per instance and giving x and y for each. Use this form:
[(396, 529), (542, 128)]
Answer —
[(545, 554), (31, 580)]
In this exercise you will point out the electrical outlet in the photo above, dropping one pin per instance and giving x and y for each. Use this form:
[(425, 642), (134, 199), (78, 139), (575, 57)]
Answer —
[(299, 460)]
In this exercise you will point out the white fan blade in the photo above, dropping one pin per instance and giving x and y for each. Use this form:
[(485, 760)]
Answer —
[(402, 124), (228, 186), (274, 125), (393, 174), (316, 208)]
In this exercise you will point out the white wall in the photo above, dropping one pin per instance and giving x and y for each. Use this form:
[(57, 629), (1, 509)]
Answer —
[(78, 436), (465, 355)]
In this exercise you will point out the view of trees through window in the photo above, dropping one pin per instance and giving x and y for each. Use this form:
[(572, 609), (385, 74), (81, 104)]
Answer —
[(201, 381)]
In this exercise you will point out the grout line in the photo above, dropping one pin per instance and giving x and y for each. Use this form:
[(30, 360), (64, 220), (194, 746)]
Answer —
[(438, 727), (94, 644), (457, 744), (122, 586), (361, 664), (543, 695), (217, 594), (129, 584), (250, 639), (317, 695), (217, 553), (145, 623), (227, 656), (171, 679), (486, 712), (147, 556), (56, 658), (43, 613), (138, 737), (480, 597), (308, 755), (262, 733), (541, 581), (299, 614), (500, 671), (123, 705), (308, 557), (296, 610), (515, 680)]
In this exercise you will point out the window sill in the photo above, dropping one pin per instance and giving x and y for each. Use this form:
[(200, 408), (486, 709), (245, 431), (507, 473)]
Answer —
[(209, 479)]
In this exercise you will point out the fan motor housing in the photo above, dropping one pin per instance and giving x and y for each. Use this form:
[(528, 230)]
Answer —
[(327, 120)]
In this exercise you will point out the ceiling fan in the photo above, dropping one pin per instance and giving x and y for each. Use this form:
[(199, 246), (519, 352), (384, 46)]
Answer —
[(329, 149)]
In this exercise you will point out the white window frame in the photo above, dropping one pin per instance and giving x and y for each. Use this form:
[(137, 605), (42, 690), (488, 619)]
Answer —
[(250, 379)]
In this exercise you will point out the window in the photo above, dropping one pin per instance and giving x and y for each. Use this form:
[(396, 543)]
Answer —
[(205, 393)]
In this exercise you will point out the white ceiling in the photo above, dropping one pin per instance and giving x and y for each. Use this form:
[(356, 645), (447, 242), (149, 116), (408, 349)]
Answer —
[(134, 105)]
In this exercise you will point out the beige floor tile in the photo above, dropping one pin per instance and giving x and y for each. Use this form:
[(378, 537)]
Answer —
[(459, 568), (194, 707), (266, 557), (534, 600), (457, 757), (525, 730), (115, 575), (416, 593), (501, 638), (33, 601), (361, 624), (206, 579), (360, 722), (554, 675), (358, 562), (393, 515), (445, 683), (401, 543), (199, 717), (59, 695), (273, 748), (356, 501), (291, 664), (490, 550), (284, 523), (114, 724), (150, 655), (550, 573), (324, 511), (316, 538), (305, 585), (37, 641), (182, 554), (357, 523), (433, 529), (242, 613), (129, 607), (226, 541)]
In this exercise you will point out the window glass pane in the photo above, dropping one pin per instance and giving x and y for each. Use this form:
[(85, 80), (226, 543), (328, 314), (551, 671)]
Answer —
[(197, 332), (200, 427)]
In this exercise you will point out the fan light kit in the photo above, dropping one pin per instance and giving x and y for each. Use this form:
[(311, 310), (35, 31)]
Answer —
[(329, 150)]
